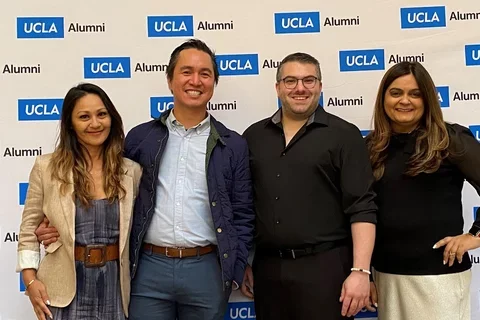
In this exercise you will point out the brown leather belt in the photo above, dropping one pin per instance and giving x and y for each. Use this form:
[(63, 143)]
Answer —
[(179, 252), (96, 255)]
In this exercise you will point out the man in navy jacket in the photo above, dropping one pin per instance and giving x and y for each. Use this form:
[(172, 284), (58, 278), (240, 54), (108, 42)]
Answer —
[(193, 217)]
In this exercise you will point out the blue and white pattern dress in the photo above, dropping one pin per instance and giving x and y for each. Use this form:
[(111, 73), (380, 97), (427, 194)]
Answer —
[(98, 295)]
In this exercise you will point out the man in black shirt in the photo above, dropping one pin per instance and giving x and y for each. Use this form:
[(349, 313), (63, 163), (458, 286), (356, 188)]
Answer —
[(314, 202)]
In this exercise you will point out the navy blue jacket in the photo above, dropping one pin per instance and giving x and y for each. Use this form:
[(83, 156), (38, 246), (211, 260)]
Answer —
[(229, 190)]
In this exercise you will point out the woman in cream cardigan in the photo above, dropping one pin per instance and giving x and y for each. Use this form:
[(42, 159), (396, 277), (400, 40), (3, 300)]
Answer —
[(86, 189)]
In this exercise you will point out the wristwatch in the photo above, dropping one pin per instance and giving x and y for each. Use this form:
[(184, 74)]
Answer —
[(475, 231)]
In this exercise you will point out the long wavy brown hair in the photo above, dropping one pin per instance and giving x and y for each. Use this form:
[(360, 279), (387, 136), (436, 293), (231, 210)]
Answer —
[(432, 137), (70, 156)]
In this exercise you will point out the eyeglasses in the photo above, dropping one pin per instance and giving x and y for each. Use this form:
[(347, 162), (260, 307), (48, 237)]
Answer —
[(308, 82)]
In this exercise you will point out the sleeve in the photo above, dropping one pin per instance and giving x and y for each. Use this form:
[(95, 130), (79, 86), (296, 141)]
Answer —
[(28, 256), (465, 155), (243, 212), (356, 179)]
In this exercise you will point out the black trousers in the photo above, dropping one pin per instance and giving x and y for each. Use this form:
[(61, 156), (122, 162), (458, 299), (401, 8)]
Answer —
[(306, 288)]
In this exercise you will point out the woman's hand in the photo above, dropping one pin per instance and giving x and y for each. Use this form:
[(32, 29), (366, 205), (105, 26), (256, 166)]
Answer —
[(39, 299), (455, 247)]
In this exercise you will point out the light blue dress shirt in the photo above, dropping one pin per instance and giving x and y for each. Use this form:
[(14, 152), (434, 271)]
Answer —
[(182, 215)]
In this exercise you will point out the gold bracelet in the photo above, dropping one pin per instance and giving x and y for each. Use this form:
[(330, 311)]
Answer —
[(29, 283), (361, 270)]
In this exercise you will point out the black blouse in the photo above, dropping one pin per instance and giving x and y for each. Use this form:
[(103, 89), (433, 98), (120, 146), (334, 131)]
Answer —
[(416, 212)]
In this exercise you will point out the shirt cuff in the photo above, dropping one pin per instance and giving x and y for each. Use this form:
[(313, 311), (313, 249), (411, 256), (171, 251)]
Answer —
[(370, 217), (235, 285), (27, 259)]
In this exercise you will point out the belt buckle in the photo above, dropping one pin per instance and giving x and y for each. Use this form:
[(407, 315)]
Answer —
[(86, 258), (288, 253), (177, 248)]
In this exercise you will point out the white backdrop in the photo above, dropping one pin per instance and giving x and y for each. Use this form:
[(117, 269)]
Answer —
[(47, 47)]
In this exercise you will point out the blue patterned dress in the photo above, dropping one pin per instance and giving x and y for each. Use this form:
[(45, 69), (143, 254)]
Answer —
[(98, 294)]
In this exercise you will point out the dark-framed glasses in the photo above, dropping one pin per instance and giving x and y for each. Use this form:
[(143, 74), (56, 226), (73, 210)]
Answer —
[(291, 82)]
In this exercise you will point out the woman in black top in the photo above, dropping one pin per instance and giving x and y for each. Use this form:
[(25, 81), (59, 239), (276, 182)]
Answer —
[(422, 267)]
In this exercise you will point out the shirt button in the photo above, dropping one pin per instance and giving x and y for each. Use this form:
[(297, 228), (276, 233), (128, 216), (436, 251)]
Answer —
[(219, 230), (278, 175), (134, 265), (225, 255), (214, 203), (283, 153), (178, 203), (277, 222), (179, 181), (151, 166), (182, 158), (276, 198), (227, 284)]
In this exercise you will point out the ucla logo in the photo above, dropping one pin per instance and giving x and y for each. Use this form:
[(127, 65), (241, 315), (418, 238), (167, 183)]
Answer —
[(39, 109), (159, 105), (40, 27), (297, 22), (475, 129), (240, 311), (237, 64), (22, 192), (22, 286), (170, 26), (106, 67), (443, 96), (472, 54), (365, 132), (423, 17), (362, 60), (365, 314)]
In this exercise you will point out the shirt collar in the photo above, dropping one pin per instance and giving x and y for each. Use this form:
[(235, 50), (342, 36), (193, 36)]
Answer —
[(319, 116), (199, 128)]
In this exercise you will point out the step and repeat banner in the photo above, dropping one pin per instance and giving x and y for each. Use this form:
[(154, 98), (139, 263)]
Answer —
[(124, 46)]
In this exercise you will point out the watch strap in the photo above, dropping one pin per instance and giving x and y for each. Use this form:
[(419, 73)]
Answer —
[(475, 231)]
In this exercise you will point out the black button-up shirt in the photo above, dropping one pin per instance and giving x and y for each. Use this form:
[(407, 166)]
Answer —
[(311, 190)]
